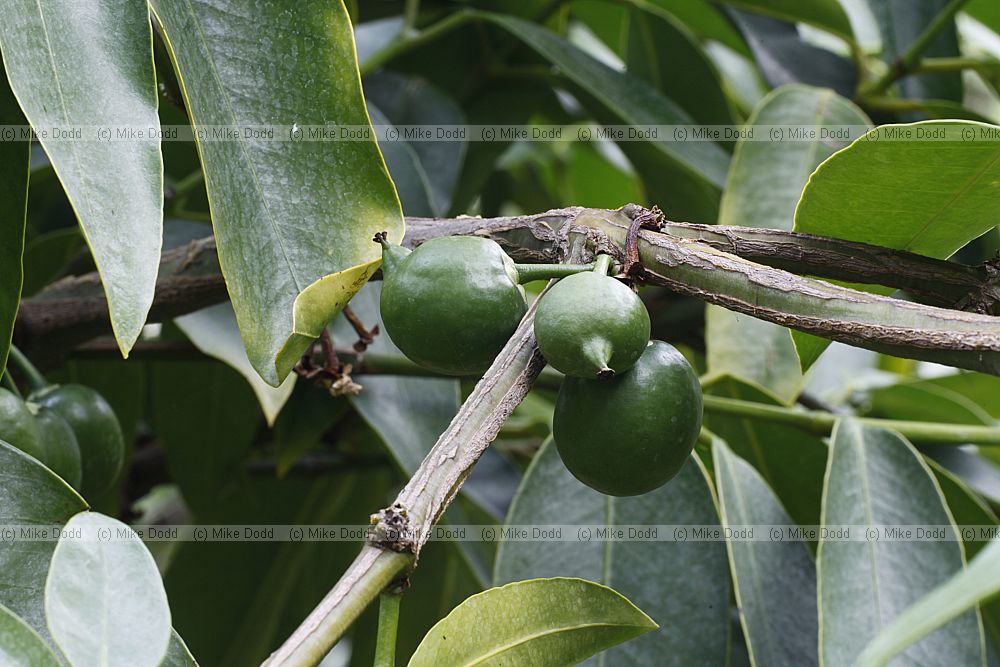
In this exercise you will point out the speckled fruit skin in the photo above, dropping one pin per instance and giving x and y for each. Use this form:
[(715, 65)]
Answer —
[(17, 425), (61, 452), (630, 434), (452, 304), (589, 325), (97, 431)]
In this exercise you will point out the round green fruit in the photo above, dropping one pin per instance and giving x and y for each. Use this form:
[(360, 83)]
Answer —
[(591, 326), (630, 434), (17, 425), (60, 450), (451, 304), (97, 431)]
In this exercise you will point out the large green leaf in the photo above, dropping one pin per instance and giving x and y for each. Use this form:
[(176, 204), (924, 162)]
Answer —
[(766, 179), (656, 44), (790, 461), (628, 99), (900, 23), (67, 73), (948, 603), (539, 622), (825, 14), (775, 581), (683, 586), (906, 191), (877, 479), (214, 331), (30, 495), (15, 158), (293, 219), (20, 645), (104, 600)]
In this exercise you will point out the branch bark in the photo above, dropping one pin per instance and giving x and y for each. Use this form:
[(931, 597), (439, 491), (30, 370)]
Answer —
[(74, 310)]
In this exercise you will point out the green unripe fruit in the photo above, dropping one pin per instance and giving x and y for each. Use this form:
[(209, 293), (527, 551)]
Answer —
[(97, 431), (17, 425), (60, 450), (630, 434), (591, 326), (451, 304)]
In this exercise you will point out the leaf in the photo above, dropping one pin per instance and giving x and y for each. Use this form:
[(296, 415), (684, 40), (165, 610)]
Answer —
[(683, 586), (104, 600), (655, 43), (205, 418), (15, 158), (765, 182), (20, 646), (887, 173), (30, 495), (900, 23), (214, 331), (67, 74), (790, 461), (412, 101), (775, 581), (539, 622), (784, 57), (826, 14), (877, 479), (178, 654), (293, 219), (628, 99), (956, 598)]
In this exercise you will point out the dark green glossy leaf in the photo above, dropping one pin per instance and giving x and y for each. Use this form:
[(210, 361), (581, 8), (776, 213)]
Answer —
[(901, 22), (783, 57), (14, 158), (790, 461), (876, 478), (293, 219), (662, 51), (30, 494), (825, 14), (106, 580), (888, 182), (66, 73), (775, 581), (541, 622), (683, 586), (20, 646)]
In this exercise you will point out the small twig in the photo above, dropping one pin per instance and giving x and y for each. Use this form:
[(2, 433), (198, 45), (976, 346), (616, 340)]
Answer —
[(365, 337)]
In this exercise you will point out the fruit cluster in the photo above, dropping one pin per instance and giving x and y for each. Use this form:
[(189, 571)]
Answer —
[(629, 411), (70, 428)]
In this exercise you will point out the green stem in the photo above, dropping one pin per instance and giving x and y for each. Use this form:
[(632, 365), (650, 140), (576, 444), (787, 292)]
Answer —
[(8, 382), (603, 264), (388, 621), (938, 65), (907, 62), (529, 272), (821, 423), (406, 43), (36, 381), (410, 13)]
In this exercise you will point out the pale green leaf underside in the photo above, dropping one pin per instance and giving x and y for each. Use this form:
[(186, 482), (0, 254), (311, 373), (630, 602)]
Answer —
[(775, 581), (65, 71), (20, 646), (539, 622), (294, 220), (876, 478), (104, 601)]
